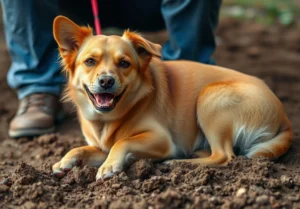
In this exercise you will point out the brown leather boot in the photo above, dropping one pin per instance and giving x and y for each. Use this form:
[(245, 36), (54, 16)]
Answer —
[(35, 116)]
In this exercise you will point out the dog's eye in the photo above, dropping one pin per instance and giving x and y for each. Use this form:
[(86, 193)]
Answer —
[(124, 64), (90, 62)]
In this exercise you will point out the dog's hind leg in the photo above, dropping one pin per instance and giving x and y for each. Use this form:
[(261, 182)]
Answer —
[(86, 155), (202, 153), (216, 118), (216, 112), (220, 141)]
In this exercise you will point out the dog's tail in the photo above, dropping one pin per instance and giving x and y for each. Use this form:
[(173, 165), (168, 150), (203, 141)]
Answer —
[(277, 146)]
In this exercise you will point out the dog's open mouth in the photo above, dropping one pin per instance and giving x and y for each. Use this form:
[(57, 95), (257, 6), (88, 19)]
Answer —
[(105, 101)]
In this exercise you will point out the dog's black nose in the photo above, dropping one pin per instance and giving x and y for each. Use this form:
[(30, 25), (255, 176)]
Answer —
[(106, 82)]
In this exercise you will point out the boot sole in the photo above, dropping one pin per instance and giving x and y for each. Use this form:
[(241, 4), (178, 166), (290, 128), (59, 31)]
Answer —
[(29, 132)]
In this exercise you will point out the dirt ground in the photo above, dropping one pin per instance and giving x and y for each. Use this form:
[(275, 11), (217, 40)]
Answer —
[(271, 53)]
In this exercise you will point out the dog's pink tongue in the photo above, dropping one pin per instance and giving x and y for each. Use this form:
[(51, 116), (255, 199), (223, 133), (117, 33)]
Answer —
[(104, 99)]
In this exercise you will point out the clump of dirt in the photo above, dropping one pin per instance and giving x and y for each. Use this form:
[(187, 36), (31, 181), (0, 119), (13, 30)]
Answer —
[(28, 186)]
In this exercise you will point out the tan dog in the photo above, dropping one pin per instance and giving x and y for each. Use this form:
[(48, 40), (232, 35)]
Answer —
[(131, 104)]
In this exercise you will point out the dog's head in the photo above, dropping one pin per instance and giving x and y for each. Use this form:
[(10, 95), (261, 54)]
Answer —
[(106, 73)]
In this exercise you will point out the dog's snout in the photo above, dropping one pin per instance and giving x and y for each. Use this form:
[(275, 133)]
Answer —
[(106, 82)]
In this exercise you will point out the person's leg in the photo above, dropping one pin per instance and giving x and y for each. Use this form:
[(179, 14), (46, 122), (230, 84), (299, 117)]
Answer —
[(35, 71), (28, 31), (190, 24)]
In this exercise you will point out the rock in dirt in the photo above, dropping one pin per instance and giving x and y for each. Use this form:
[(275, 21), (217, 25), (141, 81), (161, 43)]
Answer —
[(85, 175), (141, 169), (240, 192)]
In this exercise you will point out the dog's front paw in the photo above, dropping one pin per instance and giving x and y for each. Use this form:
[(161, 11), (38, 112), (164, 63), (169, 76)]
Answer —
[(65, 165), (108, 170)]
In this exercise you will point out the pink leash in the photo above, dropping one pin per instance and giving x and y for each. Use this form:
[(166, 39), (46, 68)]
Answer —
[(96, 16)]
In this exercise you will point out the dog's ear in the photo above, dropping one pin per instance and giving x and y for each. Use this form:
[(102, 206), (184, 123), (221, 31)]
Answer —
[(144, 48), (69, 37)]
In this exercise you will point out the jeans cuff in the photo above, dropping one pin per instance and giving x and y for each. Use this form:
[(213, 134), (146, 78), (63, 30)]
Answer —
[(31, 89)]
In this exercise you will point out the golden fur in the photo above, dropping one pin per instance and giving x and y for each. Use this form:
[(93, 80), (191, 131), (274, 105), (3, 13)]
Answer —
[(166, 109)]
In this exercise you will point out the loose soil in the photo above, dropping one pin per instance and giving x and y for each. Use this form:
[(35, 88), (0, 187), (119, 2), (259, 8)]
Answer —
[(270, 53)]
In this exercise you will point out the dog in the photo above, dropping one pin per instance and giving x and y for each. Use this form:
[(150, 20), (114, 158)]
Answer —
[(132, 105)]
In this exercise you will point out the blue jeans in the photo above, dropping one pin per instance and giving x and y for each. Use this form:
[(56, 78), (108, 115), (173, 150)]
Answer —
[(191, 25), (35, 67), (33, 51)]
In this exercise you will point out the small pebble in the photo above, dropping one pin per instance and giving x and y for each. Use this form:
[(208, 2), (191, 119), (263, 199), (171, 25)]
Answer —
[(262, 200), (116, 186), (240, 192), (204, 189)]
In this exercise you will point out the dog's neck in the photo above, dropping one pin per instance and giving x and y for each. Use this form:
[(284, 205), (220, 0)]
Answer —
[(161, 86)]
